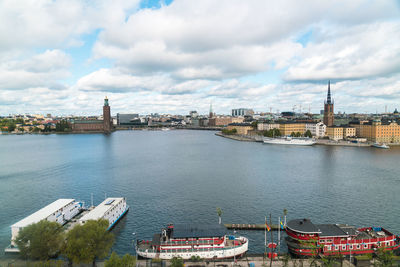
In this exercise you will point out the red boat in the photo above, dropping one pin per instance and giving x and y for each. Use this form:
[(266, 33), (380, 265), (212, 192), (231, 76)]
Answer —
[(308, 239)]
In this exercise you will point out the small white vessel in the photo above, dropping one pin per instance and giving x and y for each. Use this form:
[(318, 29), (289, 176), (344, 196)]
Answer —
[(382, 145), (299, 141), (165, 129), (186, 241), (111, 209)]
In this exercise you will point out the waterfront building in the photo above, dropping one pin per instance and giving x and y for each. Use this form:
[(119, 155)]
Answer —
[(340, 133), (96, 125), (242, 112), (127, 119), (317, 129), (262, 126), (328, 108), (60, 211), (219, 121), (241, 128), (287, 128), (111, 209), (377, 131)]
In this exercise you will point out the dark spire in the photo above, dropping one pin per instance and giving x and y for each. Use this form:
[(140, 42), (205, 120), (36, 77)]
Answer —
[(329, 100)]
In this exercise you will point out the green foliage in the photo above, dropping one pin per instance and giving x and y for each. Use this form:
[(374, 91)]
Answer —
[(42, 240), (46, 129), (293, 134), (272, 133), (285, 211), (229, 132), (49, 263), (384, 258), (63, 126), (21, 129), (195, 258), (115, 261), (176, 262), (36, 129), (308, 134), (254, 124), (88, 242)]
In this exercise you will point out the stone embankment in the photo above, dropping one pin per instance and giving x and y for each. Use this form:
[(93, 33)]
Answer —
[(237, 137)]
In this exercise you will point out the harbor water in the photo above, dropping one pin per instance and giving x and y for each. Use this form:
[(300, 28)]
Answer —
[(183, 175)]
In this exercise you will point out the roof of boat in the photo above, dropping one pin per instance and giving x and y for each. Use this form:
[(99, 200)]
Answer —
[(198, 230), (303, 226), (330, 230)]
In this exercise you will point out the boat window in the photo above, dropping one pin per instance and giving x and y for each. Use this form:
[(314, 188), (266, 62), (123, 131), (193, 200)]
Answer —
[(365, 246), (328, 247), (336, 247), (344, 247), (358, 246), (351, 246)]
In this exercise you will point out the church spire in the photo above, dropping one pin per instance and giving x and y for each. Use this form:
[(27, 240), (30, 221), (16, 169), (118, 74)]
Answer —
[(329, 99)]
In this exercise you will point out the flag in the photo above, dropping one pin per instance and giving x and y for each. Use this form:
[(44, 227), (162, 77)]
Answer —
[(281, 224), (267, 226)]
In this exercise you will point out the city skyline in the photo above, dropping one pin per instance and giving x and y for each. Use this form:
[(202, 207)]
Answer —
[(63, 57)]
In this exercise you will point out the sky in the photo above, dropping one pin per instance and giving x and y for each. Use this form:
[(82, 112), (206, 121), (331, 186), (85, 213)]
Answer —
[(64, 56)]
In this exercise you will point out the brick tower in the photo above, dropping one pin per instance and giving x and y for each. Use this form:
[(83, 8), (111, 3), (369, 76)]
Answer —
[(106, 117), (328, 108)]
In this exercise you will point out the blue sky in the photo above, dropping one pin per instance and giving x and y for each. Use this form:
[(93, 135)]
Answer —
[(63, 57)]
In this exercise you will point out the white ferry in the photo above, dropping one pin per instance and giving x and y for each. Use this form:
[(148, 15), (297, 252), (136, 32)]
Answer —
[(186, 241), (111, 209), (299, 141), (60, 211)]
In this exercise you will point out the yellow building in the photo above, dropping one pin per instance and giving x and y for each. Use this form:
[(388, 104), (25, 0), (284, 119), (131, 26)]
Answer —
[(288, 128), (339, 133), (241, 128), (334, 133), (378, 132)]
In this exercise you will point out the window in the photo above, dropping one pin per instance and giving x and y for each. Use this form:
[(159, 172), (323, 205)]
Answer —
[(343, 247), (351, 246), (336, 247), (358, 246), (365, 246)]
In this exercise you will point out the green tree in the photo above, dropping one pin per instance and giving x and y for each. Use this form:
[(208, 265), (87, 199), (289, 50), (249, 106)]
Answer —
[(21, 129), (219, 213), (293, 134), (11, 126), (63, 126), (176, 262), (384, 258), (88, 242), (308, 134), (116, 261), (42, 240), (36, 129)]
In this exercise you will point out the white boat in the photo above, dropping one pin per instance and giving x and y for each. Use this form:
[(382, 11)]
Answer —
[(186, 241), (111, 209), (299, 141), (60, 211), (378, 145), (165, 129)]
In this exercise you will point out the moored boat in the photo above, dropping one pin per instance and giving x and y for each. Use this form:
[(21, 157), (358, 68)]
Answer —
[(308, 239), (299, 141), (186, 241), (378, 145)]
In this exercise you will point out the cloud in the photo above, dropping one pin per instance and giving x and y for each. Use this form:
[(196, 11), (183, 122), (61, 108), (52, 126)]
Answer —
[(350, 53), (41, 70)]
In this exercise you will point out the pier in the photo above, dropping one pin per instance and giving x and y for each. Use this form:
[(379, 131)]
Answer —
[(251, 226)]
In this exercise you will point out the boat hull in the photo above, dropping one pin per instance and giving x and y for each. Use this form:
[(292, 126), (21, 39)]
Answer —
[(220, 253), (283, 141)]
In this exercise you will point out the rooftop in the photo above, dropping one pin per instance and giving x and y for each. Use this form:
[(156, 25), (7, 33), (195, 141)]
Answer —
[(101, 209), (303, 226), (330, 230), (199, 230), (43, 213)]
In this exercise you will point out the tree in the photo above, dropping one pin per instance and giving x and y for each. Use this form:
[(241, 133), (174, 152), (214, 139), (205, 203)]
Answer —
[(176, 262), (63, 126), (219, 213), (115, 261), (88, 242), (308, 134), (21, 129), (42, 240), (293, 134), (385, 258)]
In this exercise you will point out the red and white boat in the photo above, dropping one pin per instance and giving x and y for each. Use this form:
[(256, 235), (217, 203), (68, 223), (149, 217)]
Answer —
[(307, 239), (186, 241)]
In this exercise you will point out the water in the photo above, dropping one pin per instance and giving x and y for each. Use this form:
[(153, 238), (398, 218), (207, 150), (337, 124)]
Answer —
[(182, 176)]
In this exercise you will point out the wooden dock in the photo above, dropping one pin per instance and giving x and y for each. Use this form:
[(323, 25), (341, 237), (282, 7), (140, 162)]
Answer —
[(250, 226)]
